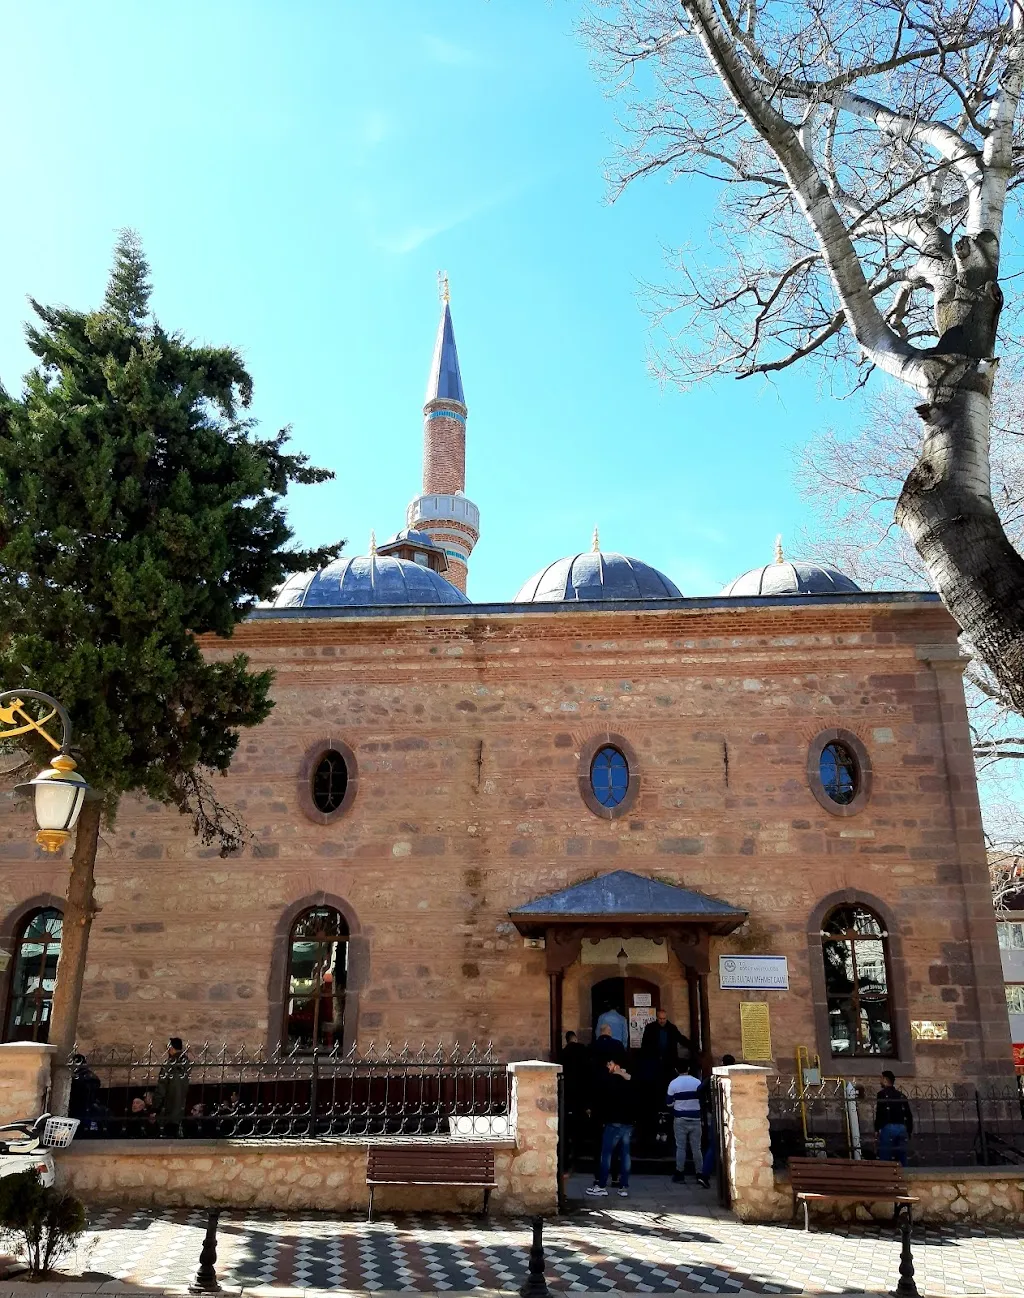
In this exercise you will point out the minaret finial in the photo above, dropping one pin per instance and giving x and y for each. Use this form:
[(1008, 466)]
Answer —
[(442, 287), (779, 556), (595, 545), (373, 542)]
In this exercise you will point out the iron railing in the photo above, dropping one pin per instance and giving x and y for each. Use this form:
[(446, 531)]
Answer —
[(958, 1125), (224, 1093)]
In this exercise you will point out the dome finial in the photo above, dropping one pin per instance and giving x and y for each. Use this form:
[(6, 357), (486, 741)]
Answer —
[(442, 287), (595, 544), (373, 542), (779, 556)]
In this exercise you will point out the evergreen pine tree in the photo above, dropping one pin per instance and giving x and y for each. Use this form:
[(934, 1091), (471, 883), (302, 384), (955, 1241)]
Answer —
[(138, 511)]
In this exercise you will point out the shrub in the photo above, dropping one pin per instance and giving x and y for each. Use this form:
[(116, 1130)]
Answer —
[(43, 1221)]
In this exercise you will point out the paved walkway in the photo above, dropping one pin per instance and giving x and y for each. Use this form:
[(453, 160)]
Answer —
[(605, 1246)]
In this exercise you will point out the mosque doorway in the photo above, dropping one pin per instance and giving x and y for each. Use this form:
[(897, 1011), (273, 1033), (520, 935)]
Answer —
[(636, 999)]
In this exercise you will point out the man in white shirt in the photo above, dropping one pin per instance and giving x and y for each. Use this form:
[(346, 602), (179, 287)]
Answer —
[(684, 1101)]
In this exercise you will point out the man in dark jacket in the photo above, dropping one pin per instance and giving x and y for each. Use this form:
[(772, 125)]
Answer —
[(616, 1106), (172, 1088), (83, 1102), (663, 1045), (894, 1121)]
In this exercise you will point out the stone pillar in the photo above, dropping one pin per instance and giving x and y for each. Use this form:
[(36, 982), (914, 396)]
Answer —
[(24, 1079), (533, 1111), (747, 1144)]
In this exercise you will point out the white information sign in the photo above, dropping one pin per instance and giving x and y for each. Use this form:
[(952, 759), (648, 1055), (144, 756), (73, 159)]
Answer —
[(753, 973)]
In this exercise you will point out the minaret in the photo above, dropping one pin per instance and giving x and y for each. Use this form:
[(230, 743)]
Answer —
[(448, 516)]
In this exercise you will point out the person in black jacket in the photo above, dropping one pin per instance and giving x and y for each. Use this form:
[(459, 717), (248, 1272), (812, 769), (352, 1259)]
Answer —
[(83, 1102), (616, 1106), (894, 1121)]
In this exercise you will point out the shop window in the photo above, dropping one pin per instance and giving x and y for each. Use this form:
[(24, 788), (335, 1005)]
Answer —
[(1011, 936), (316, 980), (1015, 998), (330, 782), (839, 773), (609, 776), (855, 952), (33, 976)]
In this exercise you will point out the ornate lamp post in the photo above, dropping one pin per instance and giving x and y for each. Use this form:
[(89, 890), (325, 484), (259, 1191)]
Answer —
[(59, 789)]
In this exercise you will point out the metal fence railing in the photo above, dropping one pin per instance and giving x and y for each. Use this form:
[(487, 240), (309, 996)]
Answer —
[(218, 1092), (958, 1125)]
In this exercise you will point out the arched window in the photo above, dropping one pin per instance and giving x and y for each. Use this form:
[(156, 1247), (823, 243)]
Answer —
[(609, 776), (317, 976), (33, 976), (854, 947), (839, 772)]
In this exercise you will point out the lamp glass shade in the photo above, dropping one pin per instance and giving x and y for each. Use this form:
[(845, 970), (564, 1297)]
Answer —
[(59, 794)]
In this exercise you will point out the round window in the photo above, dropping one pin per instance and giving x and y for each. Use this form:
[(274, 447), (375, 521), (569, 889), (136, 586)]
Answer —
[(609, 776), (330, 782), (839, 772)]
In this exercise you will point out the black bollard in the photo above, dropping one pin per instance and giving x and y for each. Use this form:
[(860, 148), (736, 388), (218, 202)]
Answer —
[(906, 1287), (535, 1286), (206, 1276)]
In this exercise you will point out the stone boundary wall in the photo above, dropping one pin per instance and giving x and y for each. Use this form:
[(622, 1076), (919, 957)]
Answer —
[(327, 1174), (24, 1079), (992, 1195)]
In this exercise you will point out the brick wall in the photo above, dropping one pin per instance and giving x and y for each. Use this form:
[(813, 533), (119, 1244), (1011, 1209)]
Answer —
[(467, 730)]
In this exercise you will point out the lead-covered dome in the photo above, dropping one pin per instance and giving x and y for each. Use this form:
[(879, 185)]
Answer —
[(599, 575), (368, 579), (792, 577)]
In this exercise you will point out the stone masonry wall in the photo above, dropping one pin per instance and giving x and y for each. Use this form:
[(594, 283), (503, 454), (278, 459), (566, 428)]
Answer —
[(467, 731), (24, 1079), (326, 1175)]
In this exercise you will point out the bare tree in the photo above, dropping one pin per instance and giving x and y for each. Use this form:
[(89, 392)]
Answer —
[(865, 151)]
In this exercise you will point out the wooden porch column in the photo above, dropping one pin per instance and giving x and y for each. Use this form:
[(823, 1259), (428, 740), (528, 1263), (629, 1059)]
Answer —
[(695, 1018), (555, 1007), (705, 1024)]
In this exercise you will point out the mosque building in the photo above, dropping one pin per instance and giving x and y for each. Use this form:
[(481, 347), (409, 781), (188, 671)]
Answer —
[(489, 822)]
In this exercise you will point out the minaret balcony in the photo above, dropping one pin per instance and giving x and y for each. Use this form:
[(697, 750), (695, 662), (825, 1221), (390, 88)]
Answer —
[(454, 508)]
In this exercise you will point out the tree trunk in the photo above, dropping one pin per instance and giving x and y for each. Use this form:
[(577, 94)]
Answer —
[(946, 509), (74, 946)]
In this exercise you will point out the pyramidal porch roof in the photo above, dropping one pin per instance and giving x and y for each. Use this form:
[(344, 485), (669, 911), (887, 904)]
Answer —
[(630, 898)]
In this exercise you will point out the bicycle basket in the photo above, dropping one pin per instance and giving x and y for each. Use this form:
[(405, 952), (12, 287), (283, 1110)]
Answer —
[(59, 1132)]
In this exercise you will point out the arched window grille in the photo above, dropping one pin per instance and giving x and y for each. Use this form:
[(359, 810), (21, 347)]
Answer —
[(609, 776), (858, 985), (317, 977), (330, 782), (33, 976)]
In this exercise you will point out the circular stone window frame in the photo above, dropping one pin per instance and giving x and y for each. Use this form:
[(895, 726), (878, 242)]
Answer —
[(864, 771), (311, 759), (587, 754)]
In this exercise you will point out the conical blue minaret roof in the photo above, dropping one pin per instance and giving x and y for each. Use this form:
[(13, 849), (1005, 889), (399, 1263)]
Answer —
[(445, 381)]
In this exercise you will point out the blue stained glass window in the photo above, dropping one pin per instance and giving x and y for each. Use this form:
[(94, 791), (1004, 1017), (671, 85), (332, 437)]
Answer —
[(609, 777), (840, 777)]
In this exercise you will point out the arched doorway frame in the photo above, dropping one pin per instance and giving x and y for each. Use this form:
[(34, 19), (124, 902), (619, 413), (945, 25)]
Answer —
[(10, 926)]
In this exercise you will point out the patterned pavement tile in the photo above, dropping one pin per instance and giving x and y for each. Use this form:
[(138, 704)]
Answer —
[(593, 1250)]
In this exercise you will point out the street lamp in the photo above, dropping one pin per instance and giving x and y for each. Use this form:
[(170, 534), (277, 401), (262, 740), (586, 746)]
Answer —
[(59, 789)]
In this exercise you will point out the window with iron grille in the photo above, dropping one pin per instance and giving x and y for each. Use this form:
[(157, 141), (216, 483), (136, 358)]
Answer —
[(330, 782), (33, 976), (840, 774), (317, 977), (609, 776), (855, 950)]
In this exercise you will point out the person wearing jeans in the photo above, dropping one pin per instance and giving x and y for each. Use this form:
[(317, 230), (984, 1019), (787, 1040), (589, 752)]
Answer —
[(894, 1121), (616, 1106), (684, 1101)]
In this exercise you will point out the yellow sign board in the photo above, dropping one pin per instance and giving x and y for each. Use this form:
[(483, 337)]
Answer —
[(755, 1031)]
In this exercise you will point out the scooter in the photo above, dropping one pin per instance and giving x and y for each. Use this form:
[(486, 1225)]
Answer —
[(25, 1145)]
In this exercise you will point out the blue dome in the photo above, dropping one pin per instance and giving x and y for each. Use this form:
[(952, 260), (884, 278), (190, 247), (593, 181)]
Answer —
[(368, 579), (792, 577), (597, 576)]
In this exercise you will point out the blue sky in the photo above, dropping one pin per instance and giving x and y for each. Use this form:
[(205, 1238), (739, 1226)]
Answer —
[(298, 173)]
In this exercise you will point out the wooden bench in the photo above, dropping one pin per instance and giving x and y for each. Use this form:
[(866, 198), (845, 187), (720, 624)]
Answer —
[(853, 1180), (440, 1164)]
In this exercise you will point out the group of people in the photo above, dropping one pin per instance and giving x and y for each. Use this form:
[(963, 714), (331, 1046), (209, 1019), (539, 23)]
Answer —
[(664, 1081), (616, 1096), (157, 1112)]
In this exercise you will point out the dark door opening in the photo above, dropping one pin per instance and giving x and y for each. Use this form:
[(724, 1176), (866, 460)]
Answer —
[(626, 994)]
